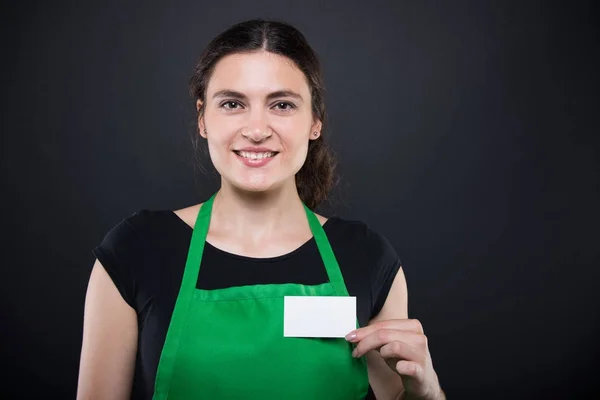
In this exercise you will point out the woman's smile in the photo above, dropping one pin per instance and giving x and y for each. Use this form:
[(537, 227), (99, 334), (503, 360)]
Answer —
[(255, 158)]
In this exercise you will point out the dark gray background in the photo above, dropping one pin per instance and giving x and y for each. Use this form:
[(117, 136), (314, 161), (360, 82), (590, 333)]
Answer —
[(465, 132)]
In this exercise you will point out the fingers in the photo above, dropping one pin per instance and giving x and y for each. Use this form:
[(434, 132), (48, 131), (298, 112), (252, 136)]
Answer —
[(412, 325), (401, 344), (409, 368)]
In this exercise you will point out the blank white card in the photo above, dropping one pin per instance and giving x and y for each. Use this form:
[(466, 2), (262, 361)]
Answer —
[(319, 316)]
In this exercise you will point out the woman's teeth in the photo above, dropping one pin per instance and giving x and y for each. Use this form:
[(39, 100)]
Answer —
[(256, 156)]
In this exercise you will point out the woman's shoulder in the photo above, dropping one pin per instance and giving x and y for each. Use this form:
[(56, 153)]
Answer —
[(350, 228), (365, 256), (188, 214), (146, 218), (138, 250), (145, 223), (361, 236)]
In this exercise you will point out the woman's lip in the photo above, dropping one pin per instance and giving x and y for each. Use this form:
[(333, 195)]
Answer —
[(257, 150), (254, 163)]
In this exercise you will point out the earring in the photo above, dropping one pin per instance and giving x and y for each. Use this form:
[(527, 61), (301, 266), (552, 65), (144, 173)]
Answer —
[(316, 133)]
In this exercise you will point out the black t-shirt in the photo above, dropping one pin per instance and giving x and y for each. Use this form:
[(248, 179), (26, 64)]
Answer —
[(145, 256)]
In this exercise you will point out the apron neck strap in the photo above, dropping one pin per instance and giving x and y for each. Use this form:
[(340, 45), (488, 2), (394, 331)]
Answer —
[(201, 231), (331, 265), (196, 249)]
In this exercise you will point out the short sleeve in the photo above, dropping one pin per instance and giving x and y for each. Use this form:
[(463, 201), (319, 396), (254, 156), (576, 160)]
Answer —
[(386, 264), (118, 252)]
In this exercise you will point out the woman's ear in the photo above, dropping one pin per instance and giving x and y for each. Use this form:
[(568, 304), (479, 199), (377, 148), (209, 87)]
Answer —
[(315, 130), (201, 125)]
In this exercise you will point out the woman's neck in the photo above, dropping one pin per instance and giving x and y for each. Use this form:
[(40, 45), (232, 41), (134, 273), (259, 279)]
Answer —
[(257, 215)]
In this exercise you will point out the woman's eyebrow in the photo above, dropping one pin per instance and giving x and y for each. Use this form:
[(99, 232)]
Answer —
[(284, 93), (230, 93), (273, 95)]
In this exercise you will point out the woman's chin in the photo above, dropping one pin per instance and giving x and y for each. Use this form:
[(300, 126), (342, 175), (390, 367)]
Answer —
[(254, 186)]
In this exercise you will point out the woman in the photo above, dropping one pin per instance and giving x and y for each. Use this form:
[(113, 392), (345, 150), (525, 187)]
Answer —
[(189, 303)]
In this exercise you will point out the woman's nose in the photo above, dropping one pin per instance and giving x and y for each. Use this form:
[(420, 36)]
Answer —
[(257, 134), (257, 128)]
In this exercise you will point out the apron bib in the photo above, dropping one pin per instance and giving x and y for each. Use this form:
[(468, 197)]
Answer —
[(229, 344)]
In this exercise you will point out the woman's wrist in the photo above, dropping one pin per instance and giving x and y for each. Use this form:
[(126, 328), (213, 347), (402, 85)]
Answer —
[(437, 395)]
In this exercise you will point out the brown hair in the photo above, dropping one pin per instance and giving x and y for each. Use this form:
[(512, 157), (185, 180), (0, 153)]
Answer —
[(316, 177)]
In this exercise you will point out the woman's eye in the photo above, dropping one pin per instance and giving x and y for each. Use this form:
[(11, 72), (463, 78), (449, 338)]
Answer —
[(231, 105), (285, 106)]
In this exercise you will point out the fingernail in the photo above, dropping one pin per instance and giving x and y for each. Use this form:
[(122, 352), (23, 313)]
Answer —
[(354, 352), (351, 336)]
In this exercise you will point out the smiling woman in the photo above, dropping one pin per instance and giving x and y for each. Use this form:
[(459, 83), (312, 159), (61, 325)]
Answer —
[(265, 73), (190, 303), (258, 98)]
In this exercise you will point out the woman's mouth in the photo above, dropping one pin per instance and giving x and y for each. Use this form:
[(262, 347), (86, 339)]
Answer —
[(255, 158)]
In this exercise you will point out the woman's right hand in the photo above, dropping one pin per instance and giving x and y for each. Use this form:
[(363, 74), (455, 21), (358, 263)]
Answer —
[(109, 345)]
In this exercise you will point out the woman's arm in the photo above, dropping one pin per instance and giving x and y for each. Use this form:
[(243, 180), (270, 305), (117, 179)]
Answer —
[(386, 384), (109, 345), (398, 358)]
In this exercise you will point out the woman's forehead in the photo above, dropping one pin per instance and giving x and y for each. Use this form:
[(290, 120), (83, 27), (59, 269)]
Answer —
[(256, 73)]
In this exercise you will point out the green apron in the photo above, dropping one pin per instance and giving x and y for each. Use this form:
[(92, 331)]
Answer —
[(229, 343)]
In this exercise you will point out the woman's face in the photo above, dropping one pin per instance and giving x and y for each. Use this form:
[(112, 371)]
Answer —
[(258, 120)]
